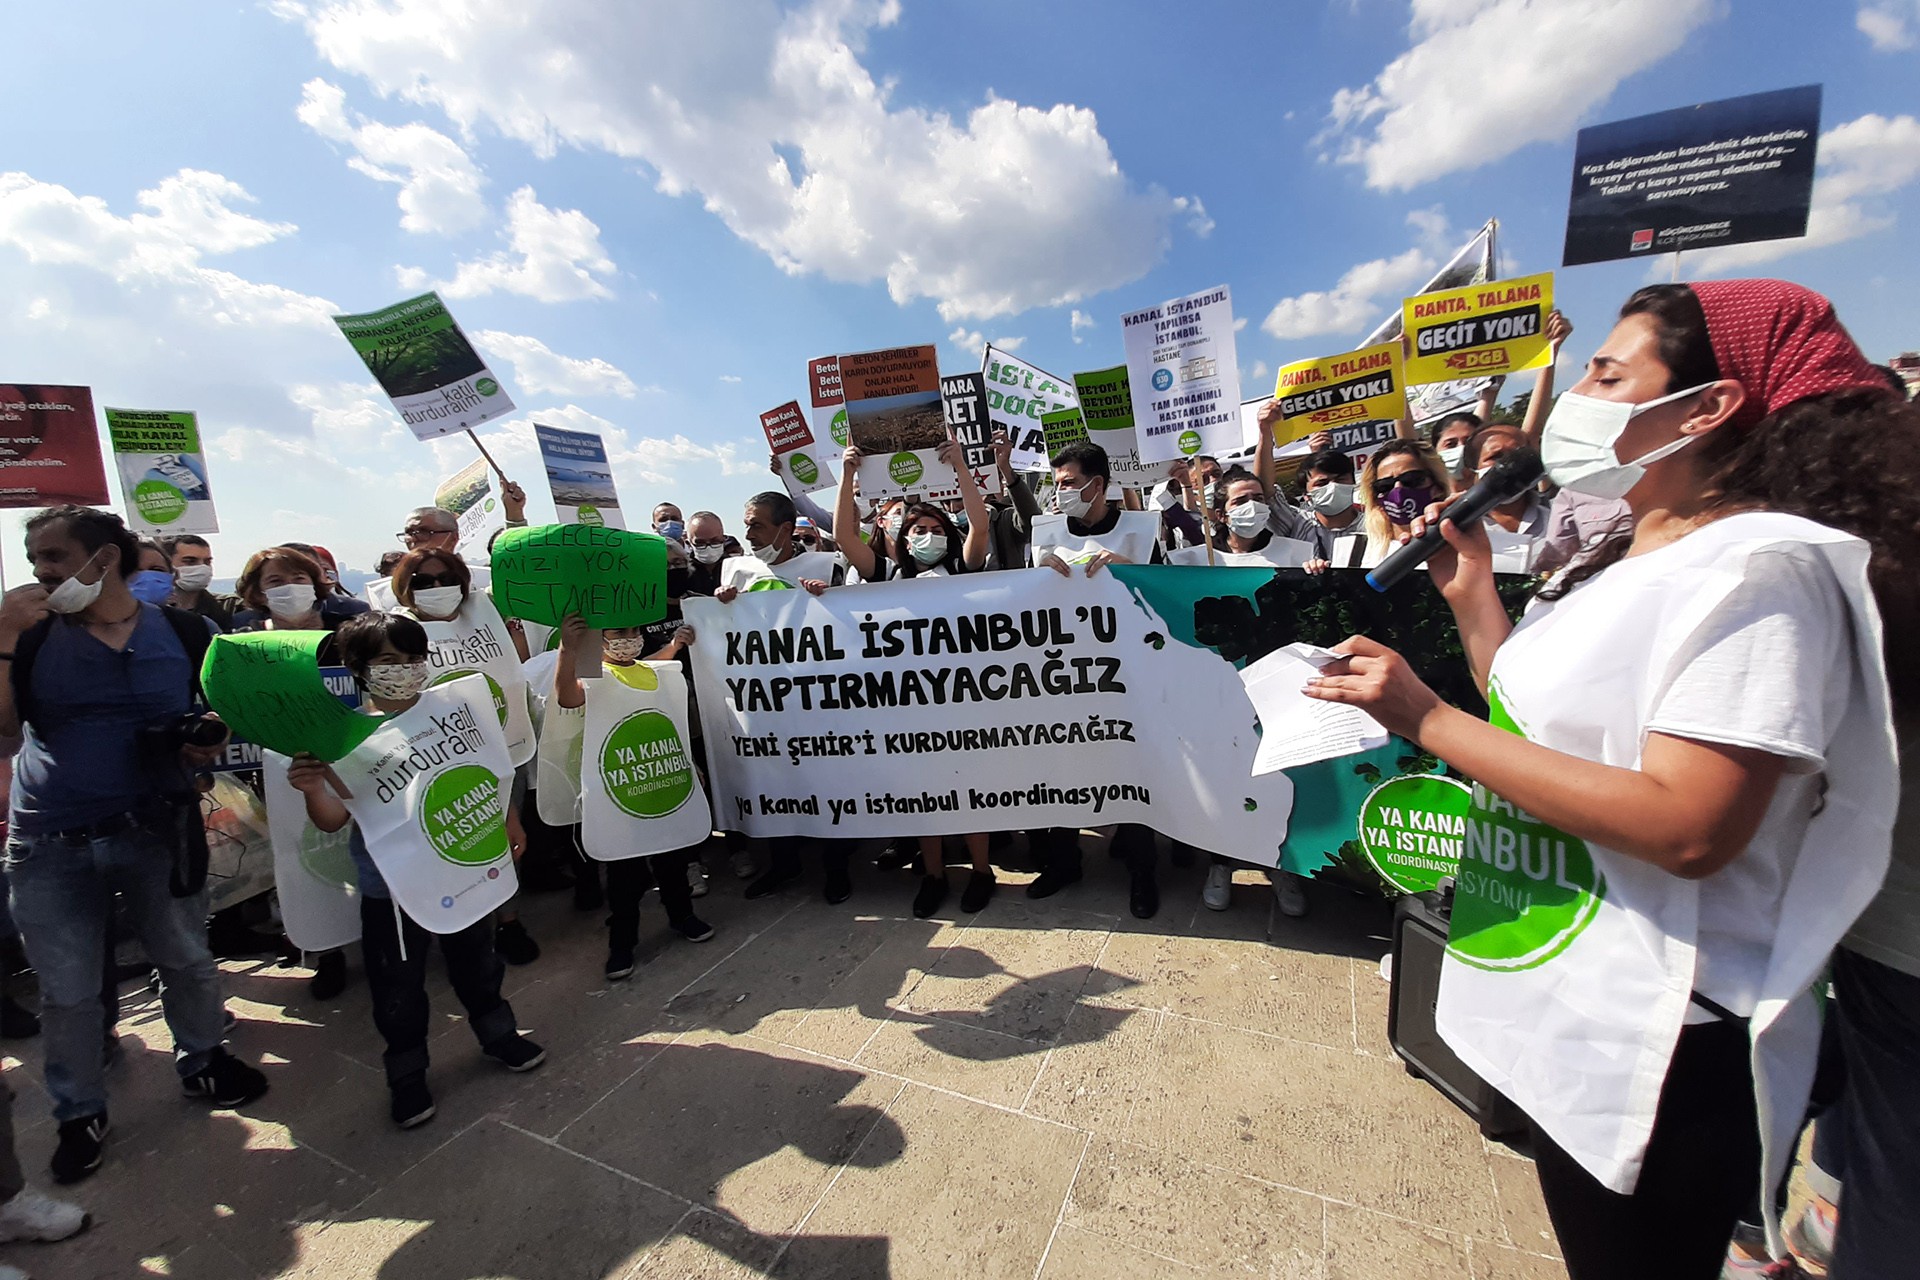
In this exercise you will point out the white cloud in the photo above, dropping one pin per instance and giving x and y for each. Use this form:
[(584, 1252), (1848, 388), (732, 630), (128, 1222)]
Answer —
[(772, 119), (1474, 87), (439, 185), (1886, 23), (975, 342), (1859, 160), (553, 256), (730, 377), (1078, 323), (1367, 291), (538, 370)]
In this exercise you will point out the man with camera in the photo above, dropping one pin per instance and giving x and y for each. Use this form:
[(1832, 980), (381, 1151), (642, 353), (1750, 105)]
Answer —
[(103, 689)]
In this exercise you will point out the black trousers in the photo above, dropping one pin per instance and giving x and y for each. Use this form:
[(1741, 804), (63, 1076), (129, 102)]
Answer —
[(1702, 1170), (1058, 848), (398, 984), (783, 853), (628, 881)]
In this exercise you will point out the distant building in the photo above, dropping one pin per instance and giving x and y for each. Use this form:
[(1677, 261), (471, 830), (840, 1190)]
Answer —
[(1907, 365)]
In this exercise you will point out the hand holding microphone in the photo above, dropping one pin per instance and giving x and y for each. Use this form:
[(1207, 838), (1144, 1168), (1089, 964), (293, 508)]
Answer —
[(1504, 480)]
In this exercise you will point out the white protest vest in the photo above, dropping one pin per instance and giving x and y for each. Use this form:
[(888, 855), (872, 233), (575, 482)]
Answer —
[(1279, 553), (430, 789), (1132, 538), (314, 874), (751, 573), (641, 792), (1570, 966), (475, 641)]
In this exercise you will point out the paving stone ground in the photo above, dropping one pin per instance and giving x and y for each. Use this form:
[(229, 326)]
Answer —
[(1052, 1090)]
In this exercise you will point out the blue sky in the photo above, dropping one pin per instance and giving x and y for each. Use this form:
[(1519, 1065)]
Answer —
[(648, 216)]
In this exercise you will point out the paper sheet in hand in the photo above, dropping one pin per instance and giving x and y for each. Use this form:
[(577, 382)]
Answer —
[(1296, 729)]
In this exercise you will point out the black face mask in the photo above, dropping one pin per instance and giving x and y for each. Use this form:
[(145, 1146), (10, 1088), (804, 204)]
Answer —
[(677, 581)]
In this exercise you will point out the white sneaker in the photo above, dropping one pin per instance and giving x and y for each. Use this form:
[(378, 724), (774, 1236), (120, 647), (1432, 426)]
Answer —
[(696, 880), (1218, 895), (12, 1273), (32, 1216), (1290, 890)]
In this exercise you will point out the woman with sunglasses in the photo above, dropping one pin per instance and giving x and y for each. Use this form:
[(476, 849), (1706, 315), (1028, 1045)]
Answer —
[(1397, 485), (467, 637)]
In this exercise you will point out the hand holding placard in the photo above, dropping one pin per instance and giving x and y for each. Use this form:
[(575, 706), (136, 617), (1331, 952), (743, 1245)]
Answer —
[(609, 577), (267, 686)]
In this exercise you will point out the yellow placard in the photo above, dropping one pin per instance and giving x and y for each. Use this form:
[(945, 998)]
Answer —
[(1359, 386), (1481, 329)]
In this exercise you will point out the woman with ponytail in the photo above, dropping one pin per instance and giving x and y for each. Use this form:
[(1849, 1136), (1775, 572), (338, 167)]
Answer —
[(1687, 791)]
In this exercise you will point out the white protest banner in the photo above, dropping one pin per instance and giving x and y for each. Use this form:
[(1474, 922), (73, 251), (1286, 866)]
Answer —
[(641, 793), (988, 702), (829, 406), (426, 366), (1473, 264), (1018, 394), (804, 465), (475, 641), (318, 886), (430, 789), (579, 477), (1184, 377), (894, 415), (163, 474), (468, 493)]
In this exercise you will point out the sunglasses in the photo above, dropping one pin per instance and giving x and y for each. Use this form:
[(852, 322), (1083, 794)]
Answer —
[(1381, 488), (413, 533), (427, 581)]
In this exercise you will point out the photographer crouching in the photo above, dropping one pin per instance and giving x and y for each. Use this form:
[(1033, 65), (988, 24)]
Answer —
[(104, 690)]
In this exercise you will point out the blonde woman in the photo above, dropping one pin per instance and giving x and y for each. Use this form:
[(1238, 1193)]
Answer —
[(1396, 486)]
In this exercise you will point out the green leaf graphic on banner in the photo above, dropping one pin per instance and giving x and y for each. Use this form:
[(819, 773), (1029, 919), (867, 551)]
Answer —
[(267, 686), (610, 577)]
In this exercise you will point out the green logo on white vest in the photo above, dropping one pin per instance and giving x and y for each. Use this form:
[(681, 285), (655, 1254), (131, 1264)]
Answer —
[(645, 766), (463, 817), (493, 686), (1411, 830)]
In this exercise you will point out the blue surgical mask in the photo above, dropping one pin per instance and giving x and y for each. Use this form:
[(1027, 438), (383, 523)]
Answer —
[(671, 529), (152, 586)]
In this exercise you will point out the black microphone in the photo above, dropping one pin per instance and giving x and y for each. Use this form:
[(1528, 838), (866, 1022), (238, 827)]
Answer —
[(1506, 479)]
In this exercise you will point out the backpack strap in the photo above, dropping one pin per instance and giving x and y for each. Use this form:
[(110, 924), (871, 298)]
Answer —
[(191, 631), (21, 670)]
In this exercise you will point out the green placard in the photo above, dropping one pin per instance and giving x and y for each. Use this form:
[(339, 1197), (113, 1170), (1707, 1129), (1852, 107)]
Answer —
[(267, 686), (610, 577), (1106, 399), (1063, 427), (1411, 829)]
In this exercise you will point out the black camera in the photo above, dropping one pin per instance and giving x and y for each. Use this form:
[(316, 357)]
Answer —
[(166, 737)]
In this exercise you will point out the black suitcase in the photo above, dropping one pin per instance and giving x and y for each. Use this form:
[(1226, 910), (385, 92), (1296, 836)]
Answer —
[(1419, 942)]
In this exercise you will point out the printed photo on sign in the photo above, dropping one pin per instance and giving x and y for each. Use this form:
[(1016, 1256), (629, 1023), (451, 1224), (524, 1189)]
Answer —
[(163, 474), (425, 364), (1018, 394), (1184, 377), (1499, 327), (579, 476), (468, 493), (895, 418), (49, 447)]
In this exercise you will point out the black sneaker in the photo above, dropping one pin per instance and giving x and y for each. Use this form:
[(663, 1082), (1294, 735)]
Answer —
[(225, 1082), (836, 886), (933, 892), (692, 928), (620, 964), (1048, 883), (1144, 899), (17, 1022), (514, 944), (770, 882), (83, 1145), (980, 887), (412, 1104), (895, 858), (516, 1053), (329, 975)]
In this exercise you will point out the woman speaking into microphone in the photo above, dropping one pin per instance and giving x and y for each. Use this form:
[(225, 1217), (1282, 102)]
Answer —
[(1685, 793)]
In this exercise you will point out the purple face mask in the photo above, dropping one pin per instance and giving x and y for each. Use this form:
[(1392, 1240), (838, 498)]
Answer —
[(1403, 502)]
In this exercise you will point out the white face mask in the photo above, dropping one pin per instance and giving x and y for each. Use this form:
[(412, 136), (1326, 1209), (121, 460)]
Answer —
[(1332, 498), (927, 547), (710, 555), (767, 554), (1451, 454), (439, 602), (1249, 518), (73, 595), (1073, 501), (623, 648), (291, 602), (1577, 443), (397, 681), (193, 577)]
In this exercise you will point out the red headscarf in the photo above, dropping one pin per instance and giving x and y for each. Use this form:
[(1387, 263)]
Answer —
[(1781, 342)]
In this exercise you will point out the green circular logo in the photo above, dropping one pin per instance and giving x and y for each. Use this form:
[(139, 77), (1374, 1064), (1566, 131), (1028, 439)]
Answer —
[(493, 687), (325, 856), (767, 584), (1189, 442), (1411, 828), (159, 502), (802, 467), (463, 816), (486, 386), (589, 515), (905, 468), (837, 428), (645, 766)]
